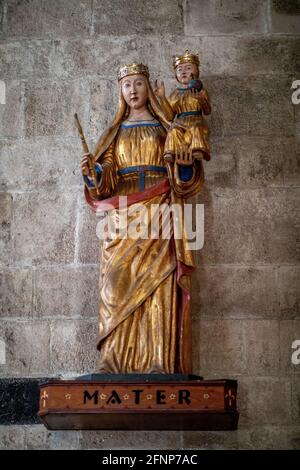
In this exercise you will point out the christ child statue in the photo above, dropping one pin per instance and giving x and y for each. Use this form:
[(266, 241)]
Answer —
[(186, 107)]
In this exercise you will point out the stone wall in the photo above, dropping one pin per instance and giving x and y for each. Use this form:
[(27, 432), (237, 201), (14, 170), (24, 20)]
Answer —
[(61, 57)]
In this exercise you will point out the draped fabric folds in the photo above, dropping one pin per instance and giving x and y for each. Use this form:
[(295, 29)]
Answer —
[(144, 309)]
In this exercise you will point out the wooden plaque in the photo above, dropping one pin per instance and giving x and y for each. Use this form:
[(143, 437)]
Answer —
[(195, 404)]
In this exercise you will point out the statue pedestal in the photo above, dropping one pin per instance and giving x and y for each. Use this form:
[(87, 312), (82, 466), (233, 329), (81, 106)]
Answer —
[(139, 402)]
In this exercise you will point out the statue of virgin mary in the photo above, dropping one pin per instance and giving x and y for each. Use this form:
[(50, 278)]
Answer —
[(145, 282)]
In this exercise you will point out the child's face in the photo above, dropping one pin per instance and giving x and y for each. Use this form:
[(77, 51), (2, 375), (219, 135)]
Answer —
[(185, 72)]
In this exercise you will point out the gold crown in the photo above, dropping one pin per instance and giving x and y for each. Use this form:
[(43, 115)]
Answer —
[(187, 57), (133, 69)]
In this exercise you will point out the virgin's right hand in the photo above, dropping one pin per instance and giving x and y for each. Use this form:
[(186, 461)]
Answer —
[(86, 162)]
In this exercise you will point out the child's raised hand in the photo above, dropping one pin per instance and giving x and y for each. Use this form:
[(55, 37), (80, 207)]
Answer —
[(159, 89)]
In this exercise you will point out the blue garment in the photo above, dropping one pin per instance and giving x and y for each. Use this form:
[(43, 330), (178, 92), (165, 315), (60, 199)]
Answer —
[(88, 181), (189, 113), (140, 124), (185, 172), (141, 169)]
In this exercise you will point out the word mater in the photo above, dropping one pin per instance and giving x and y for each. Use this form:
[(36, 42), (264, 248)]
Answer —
[(116, 398)]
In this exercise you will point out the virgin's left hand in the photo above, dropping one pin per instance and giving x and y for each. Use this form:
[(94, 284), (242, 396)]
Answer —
[(184, 156)]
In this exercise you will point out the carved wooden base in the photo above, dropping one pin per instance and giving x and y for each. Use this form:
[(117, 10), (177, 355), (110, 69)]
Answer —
[(140, 405)]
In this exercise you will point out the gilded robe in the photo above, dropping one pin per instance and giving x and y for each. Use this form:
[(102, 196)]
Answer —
[(144, 309), (191, 129)]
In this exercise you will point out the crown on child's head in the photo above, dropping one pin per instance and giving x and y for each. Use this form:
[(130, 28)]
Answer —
[(133, 69), (187, 57)]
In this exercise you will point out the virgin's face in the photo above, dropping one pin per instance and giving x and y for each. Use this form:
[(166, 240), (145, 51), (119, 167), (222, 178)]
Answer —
[(135, 91), (185, 72)]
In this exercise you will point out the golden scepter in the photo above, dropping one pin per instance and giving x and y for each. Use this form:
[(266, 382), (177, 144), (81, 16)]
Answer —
[(86, 150)]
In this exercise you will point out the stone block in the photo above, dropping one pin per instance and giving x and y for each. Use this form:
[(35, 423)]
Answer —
[(63, 440), (141, 18), (270, 161), (103, 105), (228, 291), (103, 56), (11, 113), (43, 228), (44, 162), (27, 348), (230, 17), (5, 210), (77, 58), (267, 401), (297, 124), (211, 440), (251, 106), (285, 16), (293, 436), (22, 60), (67, 292), (289, 332), (43, 19), (288, 278), (73, 347), (249, 56), (130, 440), (35, 437), (222, 347), (50, 107), (261, 344), (242, 401), (5, 228), (267, 438), (296, 399), (11, 437), (251, 226), (38, 438), (89, 245), (221, 170), (291, 169), (235, 55), (16, 289), (2, 17), (268, 55)]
